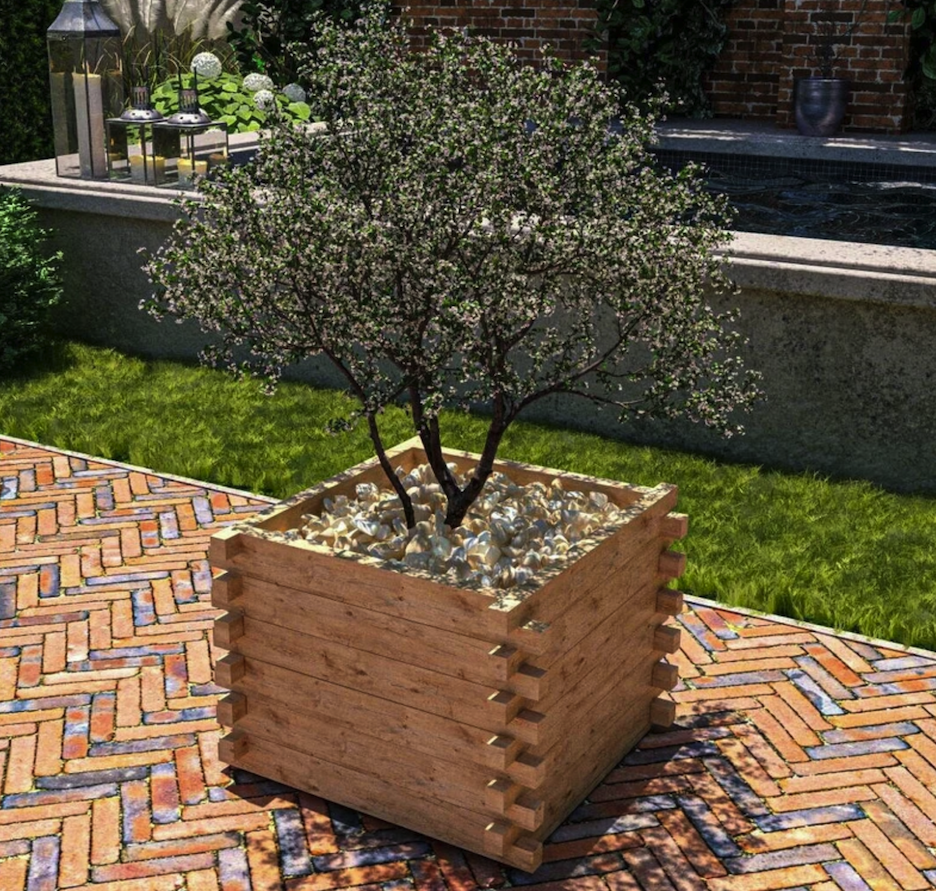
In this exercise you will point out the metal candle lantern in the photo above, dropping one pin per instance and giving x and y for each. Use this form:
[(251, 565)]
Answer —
[(86, 83), (131, 152), (191, 142)]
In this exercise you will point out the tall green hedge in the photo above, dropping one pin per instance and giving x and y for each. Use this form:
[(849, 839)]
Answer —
[(25, 114)]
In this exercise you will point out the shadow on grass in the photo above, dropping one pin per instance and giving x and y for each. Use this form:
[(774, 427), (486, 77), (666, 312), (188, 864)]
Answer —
[(53, 358)]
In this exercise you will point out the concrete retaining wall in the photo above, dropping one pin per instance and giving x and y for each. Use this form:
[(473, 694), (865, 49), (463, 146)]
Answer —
[(843, 333)]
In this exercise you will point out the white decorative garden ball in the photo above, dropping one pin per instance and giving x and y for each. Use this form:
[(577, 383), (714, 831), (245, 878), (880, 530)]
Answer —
[(294, 93), (206, 65), (255, 82), (264, 100)]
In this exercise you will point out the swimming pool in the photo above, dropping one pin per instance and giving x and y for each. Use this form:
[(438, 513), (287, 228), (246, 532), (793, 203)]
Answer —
[(813, 198)]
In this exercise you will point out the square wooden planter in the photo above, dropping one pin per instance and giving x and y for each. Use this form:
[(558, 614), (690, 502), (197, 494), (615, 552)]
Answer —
[(478, 717)]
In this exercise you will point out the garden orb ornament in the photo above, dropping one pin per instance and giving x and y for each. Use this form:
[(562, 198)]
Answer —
[(86, 84)]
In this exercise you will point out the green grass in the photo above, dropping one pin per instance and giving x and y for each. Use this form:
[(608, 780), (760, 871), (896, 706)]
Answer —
[(844, 554)]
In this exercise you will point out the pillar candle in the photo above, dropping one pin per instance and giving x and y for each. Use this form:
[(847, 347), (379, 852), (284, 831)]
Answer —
[(90, 115), (137, 171), (185, 172)]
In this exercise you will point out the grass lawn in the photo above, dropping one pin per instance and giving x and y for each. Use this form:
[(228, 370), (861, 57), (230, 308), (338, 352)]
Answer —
[(844, 554)]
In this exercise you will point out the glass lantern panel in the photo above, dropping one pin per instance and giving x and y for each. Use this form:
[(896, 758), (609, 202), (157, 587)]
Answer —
[(65, 57)]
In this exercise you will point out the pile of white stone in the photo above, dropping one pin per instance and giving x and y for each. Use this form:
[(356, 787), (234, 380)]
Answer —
[(509, 533)]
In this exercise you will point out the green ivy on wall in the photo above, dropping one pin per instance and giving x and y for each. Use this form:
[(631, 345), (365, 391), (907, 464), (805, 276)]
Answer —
[(664, 42)]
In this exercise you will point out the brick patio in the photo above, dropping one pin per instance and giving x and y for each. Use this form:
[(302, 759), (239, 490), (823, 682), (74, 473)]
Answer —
[(800, 759)]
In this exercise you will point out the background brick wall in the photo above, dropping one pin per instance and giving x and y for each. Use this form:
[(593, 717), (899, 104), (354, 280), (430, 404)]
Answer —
[(530, 24), (772, 42)]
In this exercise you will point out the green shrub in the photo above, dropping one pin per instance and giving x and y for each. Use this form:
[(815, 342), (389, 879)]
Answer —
[(664, 42), (224, 98), (26, 132), (29, 282)]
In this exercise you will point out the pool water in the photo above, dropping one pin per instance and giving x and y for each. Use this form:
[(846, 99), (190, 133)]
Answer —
[(871, 203)]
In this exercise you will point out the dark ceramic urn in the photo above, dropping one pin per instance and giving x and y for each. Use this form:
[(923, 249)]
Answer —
[(819, 105)]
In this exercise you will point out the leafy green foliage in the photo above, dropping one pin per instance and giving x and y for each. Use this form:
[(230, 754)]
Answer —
[(840, 553), (668, 43), (922, 17), (26, 131), (468, 229), (29, 283), (265, 37), (225, 99)]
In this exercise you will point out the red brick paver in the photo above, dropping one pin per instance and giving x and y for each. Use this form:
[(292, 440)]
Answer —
[(800, 758)]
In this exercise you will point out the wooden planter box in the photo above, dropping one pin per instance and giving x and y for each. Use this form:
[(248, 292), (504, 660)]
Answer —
[(481, 718)]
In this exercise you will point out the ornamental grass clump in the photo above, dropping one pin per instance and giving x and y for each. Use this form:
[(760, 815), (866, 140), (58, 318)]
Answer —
[(468, 230)]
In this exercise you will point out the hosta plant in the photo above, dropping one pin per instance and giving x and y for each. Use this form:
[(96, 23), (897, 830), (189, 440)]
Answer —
[(468, 231)]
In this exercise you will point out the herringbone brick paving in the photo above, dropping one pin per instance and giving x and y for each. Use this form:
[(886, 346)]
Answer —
[(800, 759)]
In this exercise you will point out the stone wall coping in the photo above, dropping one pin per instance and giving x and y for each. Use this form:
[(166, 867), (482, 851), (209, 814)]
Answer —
[(766, 139)]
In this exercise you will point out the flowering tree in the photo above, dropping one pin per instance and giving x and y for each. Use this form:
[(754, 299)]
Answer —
[(468, 230)]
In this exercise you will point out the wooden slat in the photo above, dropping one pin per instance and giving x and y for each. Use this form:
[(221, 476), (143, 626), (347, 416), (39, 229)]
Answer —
[(414, 728), (568, 633), (229, 669), (528, 770), (232, 747), (398, 682), (666, 639), (672, 564), (664, 676), (370, 795), (231, 709), (456, 782), (604, 752), (620, 640), (348, 581), (674, 526), (224, 546), (670, 602), (529, 682), (227, 629), (374, 632), (225, 589), (527, 812), (629, 680), (499, 837), (662, 713), (375, 796), (501, 751), (504, 661)]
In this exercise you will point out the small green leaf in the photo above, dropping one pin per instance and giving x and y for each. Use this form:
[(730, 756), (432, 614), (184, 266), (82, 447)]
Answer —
[(300, 110), (230, 87), (918, 18)]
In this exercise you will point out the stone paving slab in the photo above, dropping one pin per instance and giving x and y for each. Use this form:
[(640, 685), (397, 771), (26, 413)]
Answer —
[(801, 759)]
